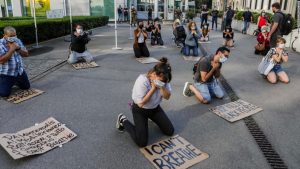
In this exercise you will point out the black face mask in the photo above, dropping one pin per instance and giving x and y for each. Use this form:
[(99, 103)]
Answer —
[(141, 26)]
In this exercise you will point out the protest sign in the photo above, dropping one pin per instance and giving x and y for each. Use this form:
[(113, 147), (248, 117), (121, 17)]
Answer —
[(174, 152), (237, 110), (36, 139)]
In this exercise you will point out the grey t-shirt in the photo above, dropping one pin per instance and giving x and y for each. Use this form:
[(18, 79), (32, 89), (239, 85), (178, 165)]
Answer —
[(277, 17), (141, 87)]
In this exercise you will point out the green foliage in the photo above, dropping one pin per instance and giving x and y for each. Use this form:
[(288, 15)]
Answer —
[(190, 14), (50, 28)]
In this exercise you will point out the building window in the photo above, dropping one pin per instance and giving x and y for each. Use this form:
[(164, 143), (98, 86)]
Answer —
[(269, 4), (255, 4), (281, 4), (285, 4), (262, 4), (250, 5)]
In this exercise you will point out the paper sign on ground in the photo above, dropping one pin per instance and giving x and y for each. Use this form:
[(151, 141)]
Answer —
[(146, 60), (191, 58), (235, 111), (158, 46), (19, 95), (85, 65), (36, 139), (204, 41), (174, 152)]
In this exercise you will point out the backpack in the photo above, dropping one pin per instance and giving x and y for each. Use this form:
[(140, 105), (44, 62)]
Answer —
[(286, 24), (181, 32)]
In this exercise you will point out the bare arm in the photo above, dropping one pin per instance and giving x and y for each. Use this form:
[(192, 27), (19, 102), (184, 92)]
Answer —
[(165, 93), (273, 29), (23, 52)]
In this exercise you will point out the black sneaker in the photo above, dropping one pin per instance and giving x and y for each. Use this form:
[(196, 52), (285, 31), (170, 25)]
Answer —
[(186, 90), (120, 121)]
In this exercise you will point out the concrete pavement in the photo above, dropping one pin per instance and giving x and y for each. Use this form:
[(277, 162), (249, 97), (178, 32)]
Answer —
[(88, 102)]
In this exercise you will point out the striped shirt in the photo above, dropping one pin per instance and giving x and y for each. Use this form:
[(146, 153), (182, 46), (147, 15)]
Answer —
[(14, 66)]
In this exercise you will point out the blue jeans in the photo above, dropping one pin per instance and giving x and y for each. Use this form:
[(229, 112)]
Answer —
[(7, 82), (187, 48), (214, 21), (210, 89), (246, 26)]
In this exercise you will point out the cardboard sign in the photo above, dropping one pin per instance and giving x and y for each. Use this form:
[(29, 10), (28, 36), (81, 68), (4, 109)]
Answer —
[(19, 96), (36, 139), (174, 152), (147, 60), (85, 65), (235, 111), (191, 58)]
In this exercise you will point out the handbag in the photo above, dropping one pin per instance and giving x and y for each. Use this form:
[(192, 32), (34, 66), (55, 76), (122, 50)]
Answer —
[(260, 46), (265, 66)]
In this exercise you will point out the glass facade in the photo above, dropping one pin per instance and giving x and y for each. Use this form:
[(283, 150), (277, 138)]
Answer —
[(102, 8)]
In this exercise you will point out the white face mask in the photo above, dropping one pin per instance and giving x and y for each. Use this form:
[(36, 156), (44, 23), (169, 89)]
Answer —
[(79, 31), (11, 39), (263, 14), (281, 46), (223, 59), (263, 31)]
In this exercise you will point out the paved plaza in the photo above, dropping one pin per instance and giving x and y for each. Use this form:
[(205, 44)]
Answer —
[(88, 102)]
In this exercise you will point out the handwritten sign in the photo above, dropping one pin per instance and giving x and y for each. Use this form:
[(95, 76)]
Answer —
[(174, 152), (235, 111), (57, 13), (37, 139)]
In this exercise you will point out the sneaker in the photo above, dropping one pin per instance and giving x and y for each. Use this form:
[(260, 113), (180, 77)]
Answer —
[(120, 121), (186, 90)]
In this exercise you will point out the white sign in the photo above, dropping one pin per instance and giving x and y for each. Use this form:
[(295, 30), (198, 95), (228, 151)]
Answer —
[(237, 110), (57, 13), (36, 139), (173, 153)]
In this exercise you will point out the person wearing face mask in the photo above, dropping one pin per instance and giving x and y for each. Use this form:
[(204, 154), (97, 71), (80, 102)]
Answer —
[(278, 55), (156, 38), (275, 27), (262, 20), (263, 45), (207, 71), (139, 46), (147, 94), (191, 41), (247, 18), (78, 48), (228, 36), (12, 70), (205, 31), (204, 15)]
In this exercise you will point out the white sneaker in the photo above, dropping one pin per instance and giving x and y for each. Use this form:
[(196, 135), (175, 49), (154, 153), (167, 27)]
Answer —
[(186, 90)]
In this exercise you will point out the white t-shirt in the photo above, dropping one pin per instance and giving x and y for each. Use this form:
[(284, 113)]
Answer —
[(141, 87), (141, 38)]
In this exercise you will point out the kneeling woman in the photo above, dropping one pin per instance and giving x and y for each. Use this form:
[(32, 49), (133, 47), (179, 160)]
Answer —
[(279, 55), (148, 91), (139, 46)]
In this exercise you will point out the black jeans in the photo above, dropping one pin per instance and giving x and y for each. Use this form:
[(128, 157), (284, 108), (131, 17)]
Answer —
[(139, 131), (156, 39), (7, 82), (214, 21), (141, 51)]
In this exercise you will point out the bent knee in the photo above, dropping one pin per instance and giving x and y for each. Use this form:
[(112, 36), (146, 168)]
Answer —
[(4, 93), (170, 131)]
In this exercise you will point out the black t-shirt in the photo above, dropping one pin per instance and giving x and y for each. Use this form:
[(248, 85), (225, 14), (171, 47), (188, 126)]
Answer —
[(204, 65), (78, 43), (229, 14), (205, 13), (214, 13), (247, 16)]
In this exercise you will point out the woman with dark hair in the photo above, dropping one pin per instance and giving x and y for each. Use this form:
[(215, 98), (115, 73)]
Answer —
[(262, 20), (148, 91), (139, 46)]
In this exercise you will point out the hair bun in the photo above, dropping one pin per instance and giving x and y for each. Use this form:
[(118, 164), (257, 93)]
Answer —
[(163, 60)]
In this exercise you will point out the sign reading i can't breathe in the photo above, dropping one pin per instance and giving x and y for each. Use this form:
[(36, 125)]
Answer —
[(173, 153), (36, 139)]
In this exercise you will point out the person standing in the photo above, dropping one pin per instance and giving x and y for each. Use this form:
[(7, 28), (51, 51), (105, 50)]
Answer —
[(120, 11), (229, 16), (147, 94), (208, 70), (126, 14), (204, 15), (275, 26), (133, 15), (214, 21), (139, 46), (150, 14), (12, 70), (247, 18)]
